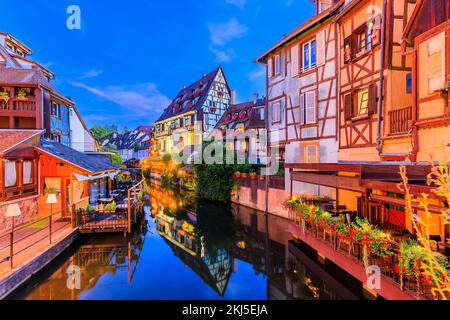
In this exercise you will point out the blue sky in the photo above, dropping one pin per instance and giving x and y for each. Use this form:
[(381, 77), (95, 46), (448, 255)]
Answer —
[(131, 57)]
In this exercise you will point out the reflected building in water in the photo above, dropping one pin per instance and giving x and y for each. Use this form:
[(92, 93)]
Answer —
[(213, 240)]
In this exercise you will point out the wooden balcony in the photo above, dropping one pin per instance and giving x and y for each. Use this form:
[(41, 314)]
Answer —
[(400, 121), (24, 107)]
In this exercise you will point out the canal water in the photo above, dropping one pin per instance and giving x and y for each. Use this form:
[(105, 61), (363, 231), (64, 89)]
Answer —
[(192, 250)]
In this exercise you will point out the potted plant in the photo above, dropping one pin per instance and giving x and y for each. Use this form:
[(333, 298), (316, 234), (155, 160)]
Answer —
[(48, 191), (4, 97), (244, 174), (22, 94), (237, 174), (253, 175)]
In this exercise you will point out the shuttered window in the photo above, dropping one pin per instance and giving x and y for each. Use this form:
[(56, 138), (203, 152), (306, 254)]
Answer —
[(348, 106), (294, 61), (276, 112), (436, 62), (309, 153), (372, 103), (308, 108), (309, 56), (270, 68), (321, 52)]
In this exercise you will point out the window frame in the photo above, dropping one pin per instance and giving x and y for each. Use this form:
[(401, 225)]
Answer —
[(277, 65), (272, 106), (310, 66), (304, 108)]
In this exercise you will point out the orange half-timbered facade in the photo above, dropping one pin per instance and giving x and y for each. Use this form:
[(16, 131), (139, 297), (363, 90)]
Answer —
[(375, 93), (427, 43)]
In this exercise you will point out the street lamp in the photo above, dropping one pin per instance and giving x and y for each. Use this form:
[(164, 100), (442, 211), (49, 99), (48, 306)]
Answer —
[(51, 199), (13, 210)]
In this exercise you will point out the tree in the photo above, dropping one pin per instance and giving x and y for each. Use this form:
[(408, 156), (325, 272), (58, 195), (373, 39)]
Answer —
[(101, 133), (116, 159)]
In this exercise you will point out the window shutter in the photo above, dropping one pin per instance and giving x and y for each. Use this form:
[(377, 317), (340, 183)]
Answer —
[(311, 107), (270, 68), (302, 109), (372, 103), (348, 106), (294, 61), (320, 48)]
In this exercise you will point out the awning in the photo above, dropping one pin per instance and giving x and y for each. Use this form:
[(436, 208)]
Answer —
[(109, 175)]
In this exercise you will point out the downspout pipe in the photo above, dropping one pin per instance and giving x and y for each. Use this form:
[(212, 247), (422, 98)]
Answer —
[(379, 144)]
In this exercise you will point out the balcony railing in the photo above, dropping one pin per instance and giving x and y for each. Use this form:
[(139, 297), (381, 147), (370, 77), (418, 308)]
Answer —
[(25, 105), (400, 120)]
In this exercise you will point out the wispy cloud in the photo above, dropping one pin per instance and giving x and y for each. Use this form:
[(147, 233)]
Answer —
[(136, 100), (261, 72), (93, 73), (221, 34), (240, 3), (223, 55)]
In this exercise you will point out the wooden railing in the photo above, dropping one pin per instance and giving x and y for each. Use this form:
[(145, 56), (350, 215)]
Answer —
[(354, 250), (19, 105), (23, 238), (133, 203), (400, 120)]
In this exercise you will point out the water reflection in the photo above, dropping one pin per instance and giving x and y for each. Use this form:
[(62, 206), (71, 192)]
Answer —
[(193, 250)]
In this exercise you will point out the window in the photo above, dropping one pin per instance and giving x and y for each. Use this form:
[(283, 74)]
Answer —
[(55, 109), (276, 112), (10, 173), (10, 47), (187, 121), (324, 5), (436, 63), (364, 39), (408, 83), (27, 172), (362, 102), (277, 65), (310, 153), (308, 108), (260, 114), (309, 55)]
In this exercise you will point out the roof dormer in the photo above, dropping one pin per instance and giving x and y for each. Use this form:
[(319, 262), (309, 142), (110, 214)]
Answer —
[(322, 5)]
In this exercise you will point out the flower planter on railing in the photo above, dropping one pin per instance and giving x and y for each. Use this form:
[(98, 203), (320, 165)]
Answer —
[(368, 245)]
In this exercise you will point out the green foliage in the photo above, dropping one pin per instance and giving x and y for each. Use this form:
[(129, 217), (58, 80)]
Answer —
[(90, 208), (214, 182), (111, 206), (167, 158), (116, 159), (110, 148), (101, 133)]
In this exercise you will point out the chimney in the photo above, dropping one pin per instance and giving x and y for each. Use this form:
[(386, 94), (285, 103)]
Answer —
[(233, 96), (255, 98)]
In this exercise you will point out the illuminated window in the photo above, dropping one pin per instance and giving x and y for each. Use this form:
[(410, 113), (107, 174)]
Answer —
[(362, 102)]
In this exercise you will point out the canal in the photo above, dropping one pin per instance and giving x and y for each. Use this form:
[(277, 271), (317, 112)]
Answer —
[(192, 250)]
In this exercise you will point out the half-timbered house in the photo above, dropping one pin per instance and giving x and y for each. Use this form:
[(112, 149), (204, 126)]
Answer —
[(28, 99), (427, 42), (193, 114), (302, 82)]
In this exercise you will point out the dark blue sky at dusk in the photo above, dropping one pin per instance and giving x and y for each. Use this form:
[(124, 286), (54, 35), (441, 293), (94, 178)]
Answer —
[(130, 58)]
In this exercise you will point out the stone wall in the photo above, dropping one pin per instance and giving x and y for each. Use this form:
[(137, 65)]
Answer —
[(28, 207)]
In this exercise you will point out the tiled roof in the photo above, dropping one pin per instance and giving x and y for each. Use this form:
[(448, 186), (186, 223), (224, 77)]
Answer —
[(79, 159), (242, 113), (190, 98), (300, 29), (12, 138), (24, 76), (141, 135)]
